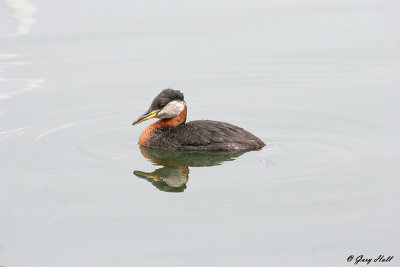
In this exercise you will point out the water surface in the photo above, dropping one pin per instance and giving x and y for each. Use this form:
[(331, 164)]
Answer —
[(317, 82)]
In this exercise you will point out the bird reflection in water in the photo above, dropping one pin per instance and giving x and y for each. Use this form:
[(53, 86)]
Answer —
[(174, 174)]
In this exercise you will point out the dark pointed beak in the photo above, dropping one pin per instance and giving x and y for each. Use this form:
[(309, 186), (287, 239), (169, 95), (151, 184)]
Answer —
[(146, 116)]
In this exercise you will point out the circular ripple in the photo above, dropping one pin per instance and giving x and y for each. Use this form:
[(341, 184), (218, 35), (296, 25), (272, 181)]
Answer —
[(300, 142), (315, 142)]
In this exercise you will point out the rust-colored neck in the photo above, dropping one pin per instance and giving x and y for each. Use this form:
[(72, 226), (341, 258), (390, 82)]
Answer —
[(173, 122)]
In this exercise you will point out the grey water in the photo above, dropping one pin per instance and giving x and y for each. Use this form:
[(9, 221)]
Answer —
[(317, 81)]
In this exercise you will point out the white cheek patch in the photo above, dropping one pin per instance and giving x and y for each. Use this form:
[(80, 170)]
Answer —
[(172, 109)]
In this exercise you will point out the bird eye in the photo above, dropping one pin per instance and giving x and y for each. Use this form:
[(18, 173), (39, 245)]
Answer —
[(161, 105)]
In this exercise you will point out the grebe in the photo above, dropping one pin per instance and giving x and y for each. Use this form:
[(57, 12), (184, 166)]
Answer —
[(172, 131)]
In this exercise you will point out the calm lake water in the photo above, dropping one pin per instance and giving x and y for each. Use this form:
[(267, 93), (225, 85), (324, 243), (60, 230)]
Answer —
[(318, 82)]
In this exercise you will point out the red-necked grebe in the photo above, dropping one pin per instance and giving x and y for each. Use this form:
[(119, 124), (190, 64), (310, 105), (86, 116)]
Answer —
[(172, 131)]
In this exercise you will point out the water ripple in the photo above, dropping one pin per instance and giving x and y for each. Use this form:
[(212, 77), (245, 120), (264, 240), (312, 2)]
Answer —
[(293, 148), (8, 133), (22, 11), (29, 85), (55, 130)]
